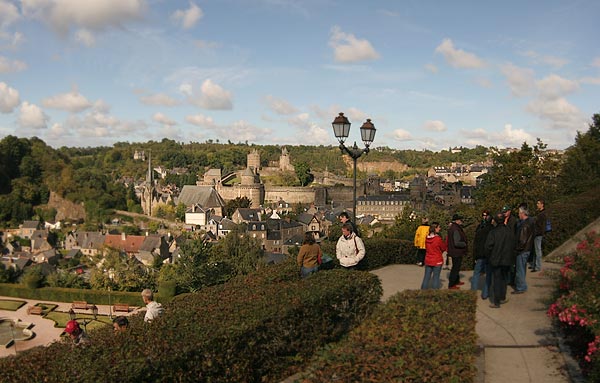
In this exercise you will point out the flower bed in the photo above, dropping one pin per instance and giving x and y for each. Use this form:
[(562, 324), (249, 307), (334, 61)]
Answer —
[(577, 309)]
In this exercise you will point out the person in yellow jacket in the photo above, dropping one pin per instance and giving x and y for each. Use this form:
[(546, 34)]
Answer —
[(420, 238)]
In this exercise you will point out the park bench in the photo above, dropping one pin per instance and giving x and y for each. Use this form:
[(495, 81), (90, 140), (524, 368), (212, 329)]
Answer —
[(37, 310), (81, 305), (123, 307)]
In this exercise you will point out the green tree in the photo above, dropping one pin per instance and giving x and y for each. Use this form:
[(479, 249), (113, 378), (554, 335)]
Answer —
[(303, 173), (581, 168), (520, 176), (238, 250)]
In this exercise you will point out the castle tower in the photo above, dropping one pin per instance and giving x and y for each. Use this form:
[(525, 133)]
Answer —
[(253, 161), (284, 161), (148, 191)]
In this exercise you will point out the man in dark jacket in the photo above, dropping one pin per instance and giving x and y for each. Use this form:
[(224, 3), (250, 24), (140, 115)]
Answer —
[(500, 248), (524, 245), (457, 248), (481, 266), (540, 230)]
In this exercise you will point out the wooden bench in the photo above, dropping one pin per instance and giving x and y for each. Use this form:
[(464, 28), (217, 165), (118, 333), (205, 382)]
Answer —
[(124, 307), (81, 305), (37, 310)]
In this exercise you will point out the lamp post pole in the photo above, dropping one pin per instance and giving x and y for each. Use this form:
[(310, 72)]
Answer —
[(111, 275), (341, 130)]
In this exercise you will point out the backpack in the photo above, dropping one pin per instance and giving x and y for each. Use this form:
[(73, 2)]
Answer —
[(548, 226)]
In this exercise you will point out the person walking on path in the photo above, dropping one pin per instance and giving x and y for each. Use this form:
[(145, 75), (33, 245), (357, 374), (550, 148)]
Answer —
[(539, 231), (435, 247), (350, 249), (309, 256), (500, 248), (524, 245), (153, 309), (420, 236), (481, 264), (457, 248)]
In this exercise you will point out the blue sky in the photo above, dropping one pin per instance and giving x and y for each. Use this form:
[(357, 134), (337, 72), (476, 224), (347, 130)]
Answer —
[(429, 74)]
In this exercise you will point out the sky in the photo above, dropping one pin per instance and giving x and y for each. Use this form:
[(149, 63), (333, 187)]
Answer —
[(429, 74)]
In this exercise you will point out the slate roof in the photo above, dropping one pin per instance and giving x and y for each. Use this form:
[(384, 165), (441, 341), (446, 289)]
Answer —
[(89, 239), (151, 242), (248, 214), (206, 196), (31, 224)]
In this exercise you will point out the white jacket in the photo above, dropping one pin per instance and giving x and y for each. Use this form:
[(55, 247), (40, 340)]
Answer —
[(350, 251), (153, 311)]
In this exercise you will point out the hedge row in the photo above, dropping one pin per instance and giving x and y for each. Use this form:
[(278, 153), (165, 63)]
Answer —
[(569, 215), (417, 336), (259, 328), (63, 294)]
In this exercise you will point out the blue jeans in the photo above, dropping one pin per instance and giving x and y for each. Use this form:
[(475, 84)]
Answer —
[(520, 282), (537, 244), (432, 273), (306, 271), (481, 266)]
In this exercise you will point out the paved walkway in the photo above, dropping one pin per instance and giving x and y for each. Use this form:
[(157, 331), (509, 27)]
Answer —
[(517, 340), (45, 332)]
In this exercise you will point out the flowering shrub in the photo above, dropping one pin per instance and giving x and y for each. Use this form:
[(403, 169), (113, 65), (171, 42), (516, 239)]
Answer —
[(577, 309)]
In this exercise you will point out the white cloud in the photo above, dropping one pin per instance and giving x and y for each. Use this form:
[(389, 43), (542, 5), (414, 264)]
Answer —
[(596, 62), (318, 135), (213, 97), (300, 121), (189, 17), (434, 126), (8, 66), (554, 86), (85, 37), (484, 82), (512, 137), (32, 117), (431, 68), (552, 61), (8, 14), (558, 112), (478, 133), (73, 102), (401, 135), (159, 99), (347, 48), (520, 80), (280, 106), (9, 98), (92, 15), (201, 120), (457, 57), (163, 119)]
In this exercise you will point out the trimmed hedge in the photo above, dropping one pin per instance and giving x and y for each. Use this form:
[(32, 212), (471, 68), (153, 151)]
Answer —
[(63, 294), (259, 328), (417, 336)]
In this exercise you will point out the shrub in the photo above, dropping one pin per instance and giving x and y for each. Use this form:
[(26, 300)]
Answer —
[(417, 336), (258, 328), (577, 310)]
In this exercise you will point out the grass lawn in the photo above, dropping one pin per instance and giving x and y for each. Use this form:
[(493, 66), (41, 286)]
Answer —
[(9, 304), (61, 318)]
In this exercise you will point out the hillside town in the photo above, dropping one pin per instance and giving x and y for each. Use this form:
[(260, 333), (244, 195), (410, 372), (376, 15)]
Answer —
[(272, 217)]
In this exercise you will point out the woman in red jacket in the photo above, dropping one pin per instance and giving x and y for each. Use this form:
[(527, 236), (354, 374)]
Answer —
[(434, 247)]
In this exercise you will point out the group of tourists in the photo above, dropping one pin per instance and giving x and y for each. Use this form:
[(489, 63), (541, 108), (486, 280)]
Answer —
[(349, 250), (505, 247)]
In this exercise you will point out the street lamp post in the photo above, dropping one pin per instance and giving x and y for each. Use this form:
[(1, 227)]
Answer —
[(111, 276), (341, 130)]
